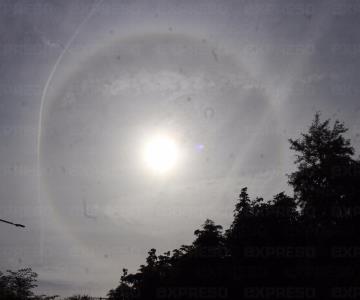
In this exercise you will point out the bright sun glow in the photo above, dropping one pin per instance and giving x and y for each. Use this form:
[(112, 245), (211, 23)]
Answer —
[(161, 154)]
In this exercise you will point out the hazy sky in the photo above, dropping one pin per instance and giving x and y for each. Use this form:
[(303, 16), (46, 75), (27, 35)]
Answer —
[(84, 83)]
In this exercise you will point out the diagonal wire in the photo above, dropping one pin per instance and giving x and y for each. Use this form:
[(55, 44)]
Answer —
[(11, 223)]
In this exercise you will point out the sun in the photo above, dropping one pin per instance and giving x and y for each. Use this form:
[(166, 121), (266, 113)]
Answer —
[(161, 154)]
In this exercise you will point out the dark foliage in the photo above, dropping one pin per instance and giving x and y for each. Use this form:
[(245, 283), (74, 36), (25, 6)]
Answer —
[(18, 285)]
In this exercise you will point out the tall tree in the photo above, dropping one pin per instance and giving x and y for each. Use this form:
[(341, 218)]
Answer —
[(243, 207), (320, 152), (241, 230)]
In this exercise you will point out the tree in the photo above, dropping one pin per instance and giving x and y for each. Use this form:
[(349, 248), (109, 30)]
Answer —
[(209, 236), (243, 214), (243, 207), (284, 207), (17, 284), (321, 152), (125, 290)]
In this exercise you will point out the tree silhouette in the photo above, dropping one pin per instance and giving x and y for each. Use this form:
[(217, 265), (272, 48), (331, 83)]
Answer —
[(19, 285), (243, 207), (325, 166), (124, 290), (209, 236)]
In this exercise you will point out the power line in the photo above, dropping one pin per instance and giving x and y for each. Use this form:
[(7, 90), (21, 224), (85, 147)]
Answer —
[(11, 223)]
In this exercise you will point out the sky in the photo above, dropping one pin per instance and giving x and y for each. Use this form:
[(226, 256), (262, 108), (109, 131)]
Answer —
[(84, 84)]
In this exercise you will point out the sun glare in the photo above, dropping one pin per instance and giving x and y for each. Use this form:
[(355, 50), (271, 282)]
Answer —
[(161, 154)]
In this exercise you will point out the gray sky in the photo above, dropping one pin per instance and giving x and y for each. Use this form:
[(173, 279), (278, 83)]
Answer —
[(100, 77)]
